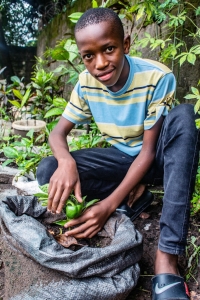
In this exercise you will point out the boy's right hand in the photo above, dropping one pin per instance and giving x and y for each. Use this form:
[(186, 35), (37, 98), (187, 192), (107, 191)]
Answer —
[(62, 183)]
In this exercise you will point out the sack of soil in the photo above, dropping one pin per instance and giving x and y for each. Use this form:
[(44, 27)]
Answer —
[(38, 267)]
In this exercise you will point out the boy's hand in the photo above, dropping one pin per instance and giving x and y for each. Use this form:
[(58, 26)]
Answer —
[(62, 183), (91, 222)]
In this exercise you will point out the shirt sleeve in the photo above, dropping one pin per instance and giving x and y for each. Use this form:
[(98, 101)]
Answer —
[(77, 109), (161, 101)]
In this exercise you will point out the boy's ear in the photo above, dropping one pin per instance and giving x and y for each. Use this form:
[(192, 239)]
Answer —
[(127, 42)]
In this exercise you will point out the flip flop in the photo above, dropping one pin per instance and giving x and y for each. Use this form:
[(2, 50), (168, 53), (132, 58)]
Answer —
[(138, 207), (169, 287)]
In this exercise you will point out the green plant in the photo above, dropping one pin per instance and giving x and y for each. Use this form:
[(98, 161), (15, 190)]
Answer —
[(66, 51), (195, 202), (73, 208), (3, 114), (196, 96), (3, 85), (89, 140), (22, 99), (192, 253), (46, 88), (3, 117), (24, 154)]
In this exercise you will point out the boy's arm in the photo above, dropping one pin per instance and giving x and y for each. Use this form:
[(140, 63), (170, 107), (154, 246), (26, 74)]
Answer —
[(66, 178), (95, 217)]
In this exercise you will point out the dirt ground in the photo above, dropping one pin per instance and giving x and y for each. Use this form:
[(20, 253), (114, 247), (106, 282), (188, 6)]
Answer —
[(148, 225), (150, 229)]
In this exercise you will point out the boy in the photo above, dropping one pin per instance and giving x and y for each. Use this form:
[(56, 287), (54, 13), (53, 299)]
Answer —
[(129, 99)]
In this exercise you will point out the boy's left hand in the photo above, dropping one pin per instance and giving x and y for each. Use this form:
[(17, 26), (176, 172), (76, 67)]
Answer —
[(91, 222)]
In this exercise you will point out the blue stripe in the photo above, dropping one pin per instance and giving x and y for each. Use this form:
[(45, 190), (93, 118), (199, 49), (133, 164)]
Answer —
[(128, 115), (73, 112)]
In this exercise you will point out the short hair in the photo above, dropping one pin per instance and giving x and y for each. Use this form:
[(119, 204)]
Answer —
[(97, 15)]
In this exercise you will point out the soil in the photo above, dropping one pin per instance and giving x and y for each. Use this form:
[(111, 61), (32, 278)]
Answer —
[(148, 224), (150, 230)]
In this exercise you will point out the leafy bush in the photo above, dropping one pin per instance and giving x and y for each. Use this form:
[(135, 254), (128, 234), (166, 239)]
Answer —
[(24, 153)]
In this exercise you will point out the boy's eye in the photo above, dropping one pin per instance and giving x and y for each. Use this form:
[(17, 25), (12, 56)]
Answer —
[(87, 56), (109, 49)]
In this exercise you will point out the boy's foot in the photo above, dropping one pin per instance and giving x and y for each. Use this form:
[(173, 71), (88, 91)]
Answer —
[(167, 283), (138, 206), (169, 287), (166, 263), (135, 194)]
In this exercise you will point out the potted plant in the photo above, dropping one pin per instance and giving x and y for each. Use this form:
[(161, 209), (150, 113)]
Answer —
[(23, 122)]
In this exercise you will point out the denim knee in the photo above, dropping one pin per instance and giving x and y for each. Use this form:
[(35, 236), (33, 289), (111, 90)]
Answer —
[(45, 169)]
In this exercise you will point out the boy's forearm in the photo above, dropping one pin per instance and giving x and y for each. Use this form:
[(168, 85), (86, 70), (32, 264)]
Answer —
[(59, 147), (58, 139), (136, 172)]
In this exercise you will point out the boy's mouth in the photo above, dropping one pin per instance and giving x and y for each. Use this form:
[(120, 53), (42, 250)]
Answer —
[(104, 76)]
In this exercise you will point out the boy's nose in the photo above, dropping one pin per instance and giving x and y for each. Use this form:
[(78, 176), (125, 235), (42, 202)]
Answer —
[(101, 62)]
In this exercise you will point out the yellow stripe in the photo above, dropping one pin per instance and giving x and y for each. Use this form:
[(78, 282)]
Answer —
[(139, 99), (121, 131)]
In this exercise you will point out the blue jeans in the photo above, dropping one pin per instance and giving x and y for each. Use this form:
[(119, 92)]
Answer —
[(102, 169)]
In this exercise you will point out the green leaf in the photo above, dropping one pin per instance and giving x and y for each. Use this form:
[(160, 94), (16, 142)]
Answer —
[(191, 58), (75, 17), (41, 195), (195, 91), (140, 13), (59, 102), (90, 203), (94, 4), (61, 222), (59, 53), (17, 94), (10, 152), (15, 103), (197, 11), (41, 136), (7, 162), (30, 133), (25, 97), (44, 202), (44, 188), (15, 79), (197, 106), (182, 59), (54, 112), (190, 96)]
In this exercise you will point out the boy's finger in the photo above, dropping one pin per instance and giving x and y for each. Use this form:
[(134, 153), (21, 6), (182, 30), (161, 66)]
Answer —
[(75, 222), (77, 191), (63, 199), (56, 199), (82, 231), (51, 193), (87, 234)]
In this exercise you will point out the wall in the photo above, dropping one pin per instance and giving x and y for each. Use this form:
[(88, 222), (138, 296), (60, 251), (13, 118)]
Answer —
[(23, 59), (60, 27), (187, 76)]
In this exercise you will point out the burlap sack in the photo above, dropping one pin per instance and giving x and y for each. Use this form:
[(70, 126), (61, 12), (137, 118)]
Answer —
[(37, 267)]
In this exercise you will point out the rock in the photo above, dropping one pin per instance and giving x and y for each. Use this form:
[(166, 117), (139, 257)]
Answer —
[(25, 187)]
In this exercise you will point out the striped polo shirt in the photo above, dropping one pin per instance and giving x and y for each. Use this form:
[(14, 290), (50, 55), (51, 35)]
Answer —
[(123, 116)]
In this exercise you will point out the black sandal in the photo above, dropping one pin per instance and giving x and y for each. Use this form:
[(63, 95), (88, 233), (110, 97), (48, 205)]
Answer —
[(169, 287), (138, 207)]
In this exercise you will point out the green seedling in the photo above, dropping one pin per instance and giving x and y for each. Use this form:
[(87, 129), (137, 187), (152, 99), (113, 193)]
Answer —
[(73, 208)]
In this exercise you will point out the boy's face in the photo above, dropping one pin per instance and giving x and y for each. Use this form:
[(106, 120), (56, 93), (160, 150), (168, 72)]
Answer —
[(102, 51)]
